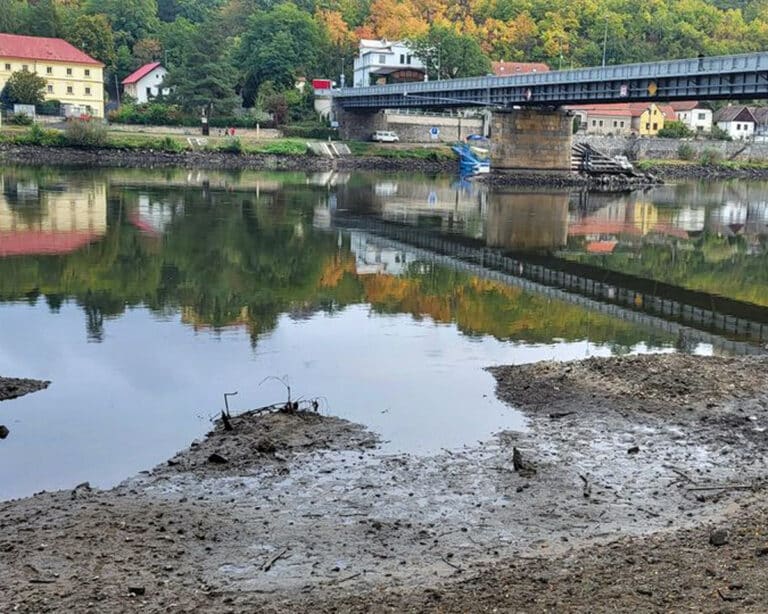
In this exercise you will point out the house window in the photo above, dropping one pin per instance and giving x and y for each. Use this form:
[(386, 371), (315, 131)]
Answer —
[(48, 70), (738, 126), (149, 92), (615, 123), (655, 126), (402, 58), (594, 123), (69, 72), (69, 89), (87, 91), (24, 67), (601, 123), (408, 59), (87, 72), (621, 124), (7, 67), (702, 116), (382, 59), (50, 89), (647, 126)]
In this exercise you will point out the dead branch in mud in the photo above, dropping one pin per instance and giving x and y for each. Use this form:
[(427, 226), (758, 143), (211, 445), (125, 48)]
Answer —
[(267, 566)]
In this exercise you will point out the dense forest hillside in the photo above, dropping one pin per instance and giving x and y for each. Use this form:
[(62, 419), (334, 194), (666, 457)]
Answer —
[(226, 51)]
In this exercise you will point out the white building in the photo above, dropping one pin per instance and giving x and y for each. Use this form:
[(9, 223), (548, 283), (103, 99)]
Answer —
[(146, 82), (692, 115), (737, 121), (381, 62)]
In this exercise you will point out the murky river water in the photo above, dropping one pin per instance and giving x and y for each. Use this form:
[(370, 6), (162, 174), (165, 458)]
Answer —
[(144, 296)]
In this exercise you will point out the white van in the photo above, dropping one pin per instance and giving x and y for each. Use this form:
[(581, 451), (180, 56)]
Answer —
[(384, 136)]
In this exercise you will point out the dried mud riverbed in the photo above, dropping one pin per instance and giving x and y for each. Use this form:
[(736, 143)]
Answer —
[(639, 484)]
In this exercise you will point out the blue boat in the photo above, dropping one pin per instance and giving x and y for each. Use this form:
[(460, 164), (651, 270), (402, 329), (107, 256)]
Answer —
[(474, 156)]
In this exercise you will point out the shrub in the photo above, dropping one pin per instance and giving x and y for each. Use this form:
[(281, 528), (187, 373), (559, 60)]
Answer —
[(686, 152), (233, 145), (674, 129), (719, 134), (20, 119), (170, 144), (311, 132), (48, 138), (710, 157), (85, 133), (49, 107)]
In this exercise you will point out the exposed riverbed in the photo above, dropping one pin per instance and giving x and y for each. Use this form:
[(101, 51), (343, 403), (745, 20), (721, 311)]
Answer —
[(609, 503)]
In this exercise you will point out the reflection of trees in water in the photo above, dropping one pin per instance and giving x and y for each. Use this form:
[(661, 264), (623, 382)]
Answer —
[(726, 266), (231, 260)]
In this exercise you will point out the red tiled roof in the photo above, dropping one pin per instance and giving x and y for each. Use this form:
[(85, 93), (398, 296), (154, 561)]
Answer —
[(634, 109), (44, 49), (684, 105), (504, 69), (140, 73), (38, 242)]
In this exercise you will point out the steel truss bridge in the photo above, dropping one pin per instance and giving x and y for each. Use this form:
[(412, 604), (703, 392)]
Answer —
[(703, 78)]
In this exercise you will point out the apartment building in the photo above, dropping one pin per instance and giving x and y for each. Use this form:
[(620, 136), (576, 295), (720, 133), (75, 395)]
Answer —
[(72, 76)]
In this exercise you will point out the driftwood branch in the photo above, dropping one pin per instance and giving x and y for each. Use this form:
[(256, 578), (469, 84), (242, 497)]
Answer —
[(274, 559)]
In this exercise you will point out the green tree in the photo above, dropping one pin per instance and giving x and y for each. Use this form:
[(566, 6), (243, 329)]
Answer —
[(449, 55), (93, 34), (131, 20), (24, 87), (43, 19), (204, 79), (279, 45), (10, 15)]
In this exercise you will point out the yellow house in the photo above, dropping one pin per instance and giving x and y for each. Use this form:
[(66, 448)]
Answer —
[(72, 76), (649, 119)]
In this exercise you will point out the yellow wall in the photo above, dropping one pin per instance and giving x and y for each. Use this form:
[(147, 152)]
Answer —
[(59, 81), (80, 208), (651, 121)]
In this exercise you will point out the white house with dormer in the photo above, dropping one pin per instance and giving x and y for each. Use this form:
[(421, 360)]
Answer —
[(381, 61), (146, 82)]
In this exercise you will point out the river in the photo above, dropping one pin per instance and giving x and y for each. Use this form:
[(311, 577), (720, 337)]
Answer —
[(144, 296)]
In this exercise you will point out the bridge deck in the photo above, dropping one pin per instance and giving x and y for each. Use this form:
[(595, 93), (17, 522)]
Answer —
[(723, 77)]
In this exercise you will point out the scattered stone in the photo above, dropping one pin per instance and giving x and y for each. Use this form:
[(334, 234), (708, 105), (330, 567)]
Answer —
[(136, 590), (4, 431), (633, 450), (217, 459), (718, 537)]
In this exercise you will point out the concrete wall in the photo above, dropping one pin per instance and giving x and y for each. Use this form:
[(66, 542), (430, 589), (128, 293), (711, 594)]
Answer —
[(667, 149), (359, 126), (531, 140)]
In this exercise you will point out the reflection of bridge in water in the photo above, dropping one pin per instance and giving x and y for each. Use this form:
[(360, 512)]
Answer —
[(691, 316)]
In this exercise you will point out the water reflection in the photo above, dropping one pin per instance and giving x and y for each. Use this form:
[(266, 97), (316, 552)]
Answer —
[(192, 283)]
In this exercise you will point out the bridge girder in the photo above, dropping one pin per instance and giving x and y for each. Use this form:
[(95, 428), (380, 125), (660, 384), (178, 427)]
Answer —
[(724, 77)]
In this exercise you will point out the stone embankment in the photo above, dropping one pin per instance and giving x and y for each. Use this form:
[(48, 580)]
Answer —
[(118, 158)]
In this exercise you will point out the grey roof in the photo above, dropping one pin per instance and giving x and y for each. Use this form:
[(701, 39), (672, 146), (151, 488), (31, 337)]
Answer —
[(734, 113)]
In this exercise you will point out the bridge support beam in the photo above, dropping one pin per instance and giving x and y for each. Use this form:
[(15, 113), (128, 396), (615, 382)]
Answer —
[(358, 125), (531, 140)]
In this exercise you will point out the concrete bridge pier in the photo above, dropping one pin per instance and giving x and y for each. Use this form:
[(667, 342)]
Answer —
[(531, 140)]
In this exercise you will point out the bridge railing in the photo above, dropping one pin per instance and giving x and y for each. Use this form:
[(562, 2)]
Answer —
[(671, 68)]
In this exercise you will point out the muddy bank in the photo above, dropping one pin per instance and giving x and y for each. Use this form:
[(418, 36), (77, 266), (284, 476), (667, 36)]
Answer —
[(602, 183), (10, 387), (116, 158), (607, 501), (669, 172)]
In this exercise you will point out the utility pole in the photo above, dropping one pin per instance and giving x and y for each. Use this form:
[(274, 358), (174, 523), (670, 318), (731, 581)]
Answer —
[(605, 41)]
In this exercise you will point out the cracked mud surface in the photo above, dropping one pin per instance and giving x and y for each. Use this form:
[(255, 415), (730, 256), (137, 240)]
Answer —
[(630, 463)]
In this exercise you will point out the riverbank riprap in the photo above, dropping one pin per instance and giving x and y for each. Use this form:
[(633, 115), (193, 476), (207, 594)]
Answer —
[(642, 488)]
